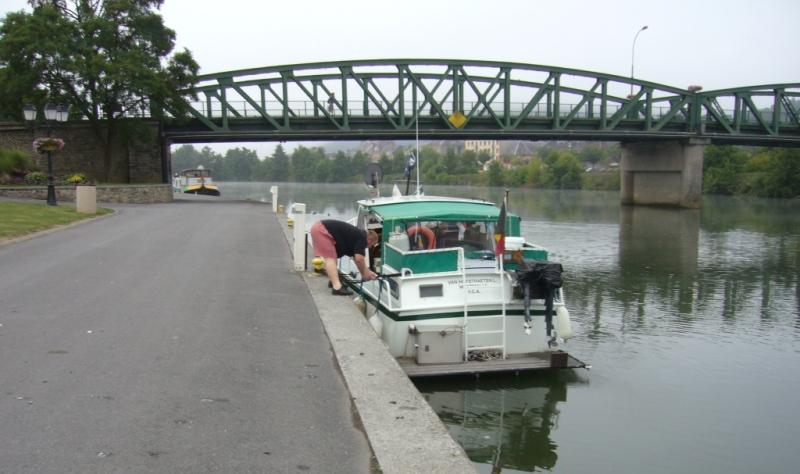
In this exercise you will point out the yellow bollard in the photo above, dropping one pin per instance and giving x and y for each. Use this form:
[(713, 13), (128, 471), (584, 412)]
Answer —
[(280, 208), (318, 264)]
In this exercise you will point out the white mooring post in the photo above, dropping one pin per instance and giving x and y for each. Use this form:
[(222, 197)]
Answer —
[(274, 191), (299, 213)]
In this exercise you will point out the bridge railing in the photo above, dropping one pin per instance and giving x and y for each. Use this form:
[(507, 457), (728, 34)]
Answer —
[(502, 98), (355, 109)]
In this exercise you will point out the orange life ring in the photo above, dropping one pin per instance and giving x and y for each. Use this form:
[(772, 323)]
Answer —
[(427, 233)]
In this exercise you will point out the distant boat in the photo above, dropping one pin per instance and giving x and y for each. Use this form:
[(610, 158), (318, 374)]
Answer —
[(196, 181)]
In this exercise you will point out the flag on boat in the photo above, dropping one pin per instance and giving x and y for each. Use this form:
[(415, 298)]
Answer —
[(412, 161), (500, 229)]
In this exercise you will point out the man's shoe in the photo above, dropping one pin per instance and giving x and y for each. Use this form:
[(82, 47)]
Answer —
[(341, 291)]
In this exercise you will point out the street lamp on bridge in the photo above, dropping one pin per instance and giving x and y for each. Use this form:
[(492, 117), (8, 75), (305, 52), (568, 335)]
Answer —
[(633, 51), (52, 114)]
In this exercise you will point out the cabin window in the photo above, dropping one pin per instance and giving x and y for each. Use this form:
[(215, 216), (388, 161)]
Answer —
[(429, 291), (472, 236)]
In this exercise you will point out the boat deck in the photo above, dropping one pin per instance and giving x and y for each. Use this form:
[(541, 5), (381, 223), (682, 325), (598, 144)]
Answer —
[(523, 363)]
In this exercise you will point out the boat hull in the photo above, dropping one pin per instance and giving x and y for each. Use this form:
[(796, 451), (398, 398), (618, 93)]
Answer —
[(202, 190), (397, 328)]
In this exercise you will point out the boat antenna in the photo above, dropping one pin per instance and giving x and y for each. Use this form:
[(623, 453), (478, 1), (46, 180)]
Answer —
[(416, 111)]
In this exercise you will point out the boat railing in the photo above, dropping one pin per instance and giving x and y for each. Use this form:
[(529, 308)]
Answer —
[(410, 264)]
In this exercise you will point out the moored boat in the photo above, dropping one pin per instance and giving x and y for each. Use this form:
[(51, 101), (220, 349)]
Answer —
[(460, 290), (196, 181)]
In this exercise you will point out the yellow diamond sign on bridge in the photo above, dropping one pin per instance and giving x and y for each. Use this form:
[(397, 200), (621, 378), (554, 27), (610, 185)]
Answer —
[(457, 119)]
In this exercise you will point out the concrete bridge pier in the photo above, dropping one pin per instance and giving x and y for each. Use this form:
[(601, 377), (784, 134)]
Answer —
[(663, 173)]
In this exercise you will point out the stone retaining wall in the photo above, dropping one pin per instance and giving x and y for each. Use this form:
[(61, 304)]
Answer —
[(132, 194), (139, 161)]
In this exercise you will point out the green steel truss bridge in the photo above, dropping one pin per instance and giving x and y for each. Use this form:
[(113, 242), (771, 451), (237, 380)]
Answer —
[(453, 99)]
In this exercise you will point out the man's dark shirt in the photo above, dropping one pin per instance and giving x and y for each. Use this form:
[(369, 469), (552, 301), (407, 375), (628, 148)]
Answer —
[(350, 240)]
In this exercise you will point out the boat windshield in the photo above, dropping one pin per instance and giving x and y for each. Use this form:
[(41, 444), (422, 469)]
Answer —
[(197, 173), (473, 236)]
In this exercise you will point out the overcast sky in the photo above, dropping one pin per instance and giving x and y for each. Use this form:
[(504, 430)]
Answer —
[(714, 43)]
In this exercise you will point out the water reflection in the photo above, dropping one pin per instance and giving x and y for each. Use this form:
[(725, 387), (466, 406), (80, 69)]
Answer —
[(661, 241), (675, 269), (503, 422)]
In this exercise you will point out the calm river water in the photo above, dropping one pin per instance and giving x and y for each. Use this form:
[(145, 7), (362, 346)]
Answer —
[(691, 320)]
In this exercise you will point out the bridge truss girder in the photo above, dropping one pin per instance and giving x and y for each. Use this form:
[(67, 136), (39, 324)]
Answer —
[(447, 99)]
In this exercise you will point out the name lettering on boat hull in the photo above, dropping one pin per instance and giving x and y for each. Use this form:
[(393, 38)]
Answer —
[(474, 285)]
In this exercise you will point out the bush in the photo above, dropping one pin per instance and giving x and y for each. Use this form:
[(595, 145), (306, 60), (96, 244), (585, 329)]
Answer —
[(36, 177), (600, 181), (14, 163), (77, 178)]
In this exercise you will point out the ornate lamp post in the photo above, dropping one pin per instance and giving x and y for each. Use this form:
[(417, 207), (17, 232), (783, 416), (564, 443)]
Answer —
[(633, 51), (52, 114)]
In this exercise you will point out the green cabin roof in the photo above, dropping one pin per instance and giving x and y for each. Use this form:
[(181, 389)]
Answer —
[(450, 210)]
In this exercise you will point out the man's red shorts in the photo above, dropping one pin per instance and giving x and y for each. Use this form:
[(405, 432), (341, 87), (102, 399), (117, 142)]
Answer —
[(324, 245)]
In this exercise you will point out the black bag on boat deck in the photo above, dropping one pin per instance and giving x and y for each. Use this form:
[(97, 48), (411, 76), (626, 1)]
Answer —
[(542, 277)]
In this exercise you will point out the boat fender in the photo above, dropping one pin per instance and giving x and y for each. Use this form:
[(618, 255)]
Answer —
[(563, 323), (427, 233), (376, 323), (360, 304)]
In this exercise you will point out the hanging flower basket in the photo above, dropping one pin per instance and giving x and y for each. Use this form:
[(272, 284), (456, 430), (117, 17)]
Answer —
[(43, 145)]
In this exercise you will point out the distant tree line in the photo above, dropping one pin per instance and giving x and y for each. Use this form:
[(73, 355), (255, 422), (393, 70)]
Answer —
[(768, 172), (765, 172), (551, 168), (304, 164)]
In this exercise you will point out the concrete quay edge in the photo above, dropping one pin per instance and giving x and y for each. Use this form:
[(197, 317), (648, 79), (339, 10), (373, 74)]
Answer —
[(405, 434)]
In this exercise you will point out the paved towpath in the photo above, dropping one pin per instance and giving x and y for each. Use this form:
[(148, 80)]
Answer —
[(170, 338)]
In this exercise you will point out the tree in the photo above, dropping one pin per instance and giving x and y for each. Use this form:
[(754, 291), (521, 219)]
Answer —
[(185, 157), (495, 173), (240, 164), (774, 172), (340, 168), (358, 164), (109, 60), (536, 173), (591, 154), (280, 164), (783, 179), (722, 168), (563, 169)]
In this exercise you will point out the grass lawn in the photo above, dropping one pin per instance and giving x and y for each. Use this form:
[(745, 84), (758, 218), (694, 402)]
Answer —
[(17, 219)]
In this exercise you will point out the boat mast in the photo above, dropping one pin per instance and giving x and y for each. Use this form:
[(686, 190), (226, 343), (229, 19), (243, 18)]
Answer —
[(417, 145)]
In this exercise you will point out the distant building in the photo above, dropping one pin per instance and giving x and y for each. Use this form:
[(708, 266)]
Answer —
[(491, 147)]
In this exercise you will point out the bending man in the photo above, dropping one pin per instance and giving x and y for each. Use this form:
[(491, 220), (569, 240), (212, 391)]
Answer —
[(334, 239)]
